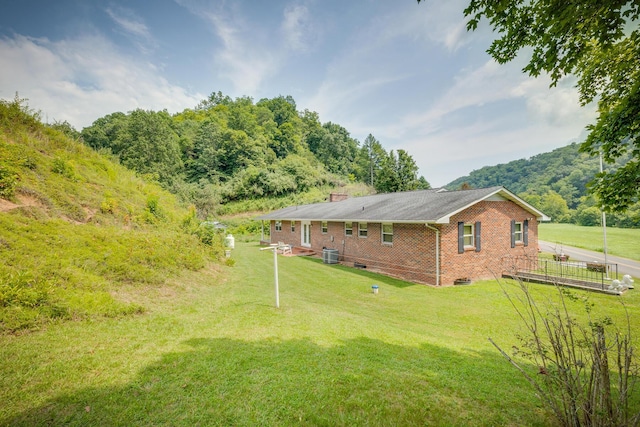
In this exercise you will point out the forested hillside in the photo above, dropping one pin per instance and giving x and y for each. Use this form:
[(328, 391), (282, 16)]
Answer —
[(226, 150), (555, 182)]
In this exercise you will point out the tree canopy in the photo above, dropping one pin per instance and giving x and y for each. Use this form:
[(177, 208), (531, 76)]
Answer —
[(230, 149), (599, 43)]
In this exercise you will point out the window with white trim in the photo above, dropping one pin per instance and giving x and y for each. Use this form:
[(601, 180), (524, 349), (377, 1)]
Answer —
[(362, 229), (468, 236), (348, 228), (278, 226), (324, 227), (387, 234), (293, 226), (518, 231)]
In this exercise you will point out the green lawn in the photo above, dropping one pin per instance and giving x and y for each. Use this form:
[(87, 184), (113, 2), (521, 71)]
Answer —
[(624, 242), (213, 350)]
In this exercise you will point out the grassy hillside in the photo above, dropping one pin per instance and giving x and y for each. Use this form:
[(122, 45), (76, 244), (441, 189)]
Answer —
[(333, 354), (79, 232)]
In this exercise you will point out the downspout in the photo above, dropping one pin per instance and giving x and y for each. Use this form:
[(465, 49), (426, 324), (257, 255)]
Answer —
[(437, 253)]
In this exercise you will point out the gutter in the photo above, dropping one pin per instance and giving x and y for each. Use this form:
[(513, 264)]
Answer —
[(437, 252)]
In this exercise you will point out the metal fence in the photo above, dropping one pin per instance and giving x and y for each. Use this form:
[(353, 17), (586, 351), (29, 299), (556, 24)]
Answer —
[(593, 275)]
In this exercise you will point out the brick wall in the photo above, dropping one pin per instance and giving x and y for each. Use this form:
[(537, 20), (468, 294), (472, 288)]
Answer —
[(495, 217), (412, 255), (286, 235)]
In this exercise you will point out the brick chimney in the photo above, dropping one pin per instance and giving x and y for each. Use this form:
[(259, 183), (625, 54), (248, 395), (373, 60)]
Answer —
[(338, 197)]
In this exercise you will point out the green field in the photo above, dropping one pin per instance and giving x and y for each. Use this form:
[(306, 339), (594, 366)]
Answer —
[(624, 242), (212, 349)]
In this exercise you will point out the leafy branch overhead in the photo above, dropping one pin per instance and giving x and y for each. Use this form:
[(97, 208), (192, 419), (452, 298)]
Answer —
[(599, 43)]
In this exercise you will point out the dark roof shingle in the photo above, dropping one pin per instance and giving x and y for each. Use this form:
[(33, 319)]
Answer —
[(422, 206)]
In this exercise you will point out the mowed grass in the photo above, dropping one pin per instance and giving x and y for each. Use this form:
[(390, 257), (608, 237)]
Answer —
[(212, 349), (624, 242)]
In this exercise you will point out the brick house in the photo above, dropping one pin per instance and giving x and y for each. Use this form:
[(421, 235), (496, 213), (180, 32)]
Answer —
[(427, 236)]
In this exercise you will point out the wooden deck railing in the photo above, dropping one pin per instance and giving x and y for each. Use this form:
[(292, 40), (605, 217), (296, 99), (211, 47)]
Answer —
[(592, 275)]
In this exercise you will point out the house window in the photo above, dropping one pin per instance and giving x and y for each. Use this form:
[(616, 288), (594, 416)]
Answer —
[(518, 232), (278, 225), (387, 233), (468, 236), (293, 226), (348, 229), (362, 229), (325, 227)]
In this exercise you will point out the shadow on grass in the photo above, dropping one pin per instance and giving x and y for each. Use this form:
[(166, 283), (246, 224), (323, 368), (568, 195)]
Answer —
[(361, 382), (375, 277)]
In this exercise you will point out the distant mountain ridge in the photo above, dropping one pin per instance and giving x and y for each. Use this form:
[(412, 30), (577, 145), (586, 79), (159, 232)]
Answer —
[(565, 170), (548, 179)]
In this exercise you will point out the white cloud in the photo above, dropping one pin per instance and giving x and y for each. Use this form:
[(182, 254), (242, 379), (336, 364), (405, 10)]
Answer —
[(133, 27), (80, 80), (455, 151), (492, 83), (244, 57), (556, 106), (490, 114), (340, 96), (440, 23), (297, 27)]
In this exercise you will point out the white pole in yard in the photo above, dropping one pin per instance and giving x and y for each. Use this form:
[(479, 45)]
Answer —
[(274, 248), (275, 276)]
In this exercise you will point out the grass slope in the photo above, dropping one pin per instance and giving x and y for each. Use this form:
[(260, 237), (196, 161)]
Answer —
[(76, 229), (219, 353), (624, 242)]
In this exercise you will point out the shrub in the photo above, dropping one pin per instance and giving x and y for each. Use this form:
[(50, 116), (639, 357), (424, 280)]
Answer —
[(109, 204), (586, 373), (64, 168), (8, 182), (152, 212)]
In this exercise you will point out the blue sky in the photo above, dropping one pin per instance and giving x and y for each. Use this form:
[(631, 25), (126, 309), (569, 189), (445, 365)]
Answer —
[(408, 73)]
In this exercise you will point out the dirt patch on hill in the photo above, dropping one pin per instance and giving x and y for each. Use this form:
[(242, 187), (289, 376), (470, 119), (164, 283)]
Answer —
[(27, 200), (6, 205), (22, 200)]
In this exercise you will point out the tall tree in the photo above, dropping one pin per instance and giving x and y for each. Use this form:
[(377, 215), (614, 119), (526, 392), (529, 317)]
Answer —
[(150, 146), (205, 161), (104, 132), (334, 147), (287, 135), (599, 43), (407, 172), (369, 160), (387, 180)]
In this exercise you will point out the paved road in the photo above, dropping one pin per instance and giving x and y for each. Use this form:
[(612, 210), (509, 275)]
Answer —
[(625, 265)]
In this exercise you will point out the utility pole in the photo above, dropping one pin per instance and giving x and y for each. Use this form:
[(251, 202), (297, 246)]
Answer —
[(604, 229)]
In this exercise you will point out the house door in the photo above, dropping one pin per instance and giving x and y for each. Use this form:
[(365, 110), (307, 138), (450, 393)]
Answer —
[(306, 234)]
